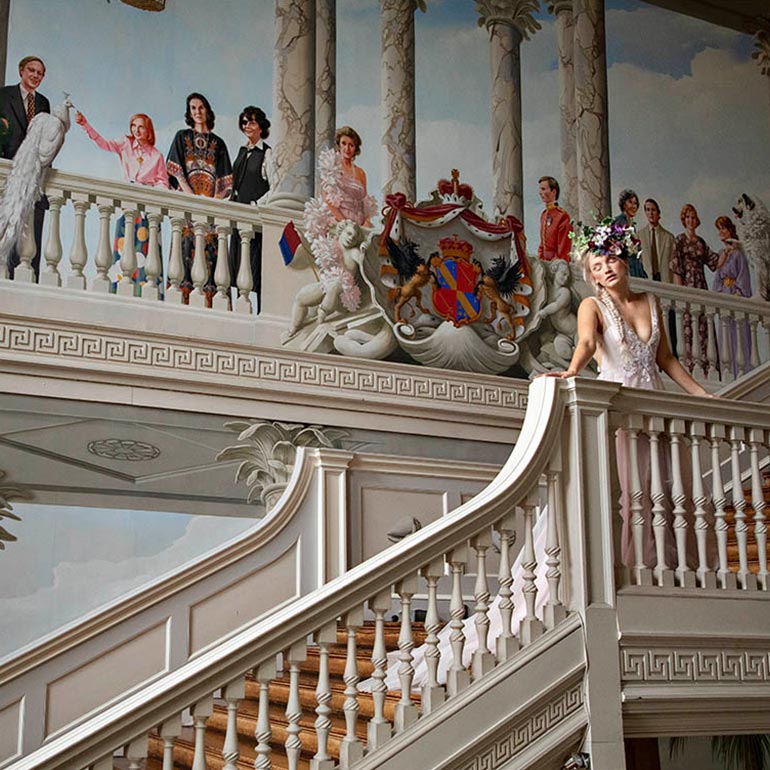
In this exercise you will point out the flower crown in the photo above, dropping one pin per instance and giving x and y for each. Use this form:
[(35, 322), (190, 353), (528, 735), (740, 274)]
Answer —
[(608, 237)]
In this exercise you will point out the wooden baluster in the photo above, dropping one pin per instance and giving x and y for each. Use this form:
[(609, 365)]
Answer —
[(641, 571), (406, 711), (201, 712), (244, 279), (741, 354), (153, 265), (725, 354), (231, 694), (530, 627), (168, 731), (483, 661), (725, 577), (756, 438), (325, 636), (79, 251), (746, 580), (175, 263), (711, 343), (753, 321), (554, 611), (126, 285), (507, 642), (200, 266), (351, 749), (297, 654), (457, 678), (378, 729), (53, 248), (136, 752), (663, 574), (103, 258), (221, 299), (705, 575), (265, 673), (685, 577), (433, 694)]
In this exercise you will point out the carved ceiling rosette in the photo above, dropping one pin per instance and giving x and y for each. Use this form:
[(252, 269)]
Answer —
[(513, 13)]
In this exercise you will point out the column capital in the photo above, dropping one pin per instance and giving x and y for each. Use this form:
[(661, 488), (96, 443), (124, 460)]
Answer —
[(560, 6), (762, 45), (518, 14)]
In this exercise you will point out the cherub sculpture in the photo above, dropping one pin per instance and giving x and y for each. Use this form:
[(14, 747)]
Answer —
[(44, 139), (497, 285), (413, 272)]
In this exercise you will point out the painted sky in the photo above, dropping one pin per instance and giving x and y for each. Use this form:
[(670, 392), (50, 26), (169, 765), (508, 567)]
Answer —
[(689, 109)]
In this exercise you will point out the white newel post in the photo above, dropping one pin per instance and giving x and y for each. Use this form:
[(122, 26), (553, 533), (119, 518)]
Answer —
[(53, 248), (397, 98), (508, 23), (79, 251), (592, 130)]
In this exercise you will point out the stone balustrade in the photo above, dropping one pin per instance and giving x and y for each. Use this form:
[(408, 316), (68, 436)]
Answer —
[(96, 204)]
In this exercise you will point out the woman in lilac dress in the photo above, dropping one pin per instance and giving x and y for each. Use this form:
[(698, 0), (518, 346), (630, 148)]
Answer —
[(732, 276), (350, 200), (691, 254)]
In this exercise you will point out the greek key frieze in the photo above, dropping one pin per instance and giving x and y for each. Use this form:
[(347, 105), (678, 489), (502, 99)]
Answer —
[(690, 665)]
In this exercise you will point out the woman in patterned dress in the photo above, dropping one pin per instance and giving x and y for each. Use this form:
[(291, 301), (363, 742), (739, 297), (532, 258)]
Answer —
[(691, 254), (198, 163)]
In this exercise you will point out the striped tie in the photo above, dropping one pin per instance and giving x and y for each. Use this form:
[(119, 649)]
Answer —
[(30, 107)]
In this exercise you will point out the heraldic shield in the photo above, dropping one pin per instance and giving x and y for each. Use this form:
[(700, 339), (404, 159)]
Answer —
[(454, 287)]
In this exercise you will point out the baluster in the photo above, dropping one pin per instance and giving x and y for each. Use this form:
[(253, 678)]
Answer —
[(725, 357), (725, 577), (221, 299), (231, 694), (483, 661), (105, 763), (201, 712), (136, 752), (746, 580), (554, 609), (168, 731), (175, 263), (641, 572), (663, 574), (507, 642), (265, 673), (126, 285), (244, 279), (457, 678), (433, 694), (705, 575), (756, 438), (103, 259), (153, 265), (530, 627), (325, 636), (200, 267), (297, 654), (378, 730), (351, 749), (741, 354), (79, 250), (711, 344), (753, 321), (27, 247), (53, 248), (679, 320), (684, 575), (406, 711)]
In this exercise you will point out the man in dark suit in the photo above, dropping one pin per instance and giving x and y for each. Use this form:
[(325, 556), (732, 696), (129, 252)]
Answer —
[(249, 185), (18, 105)]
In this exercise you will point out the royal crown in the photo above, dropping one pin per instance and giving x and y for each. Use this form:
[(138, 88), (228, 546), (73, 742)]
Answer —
[(455, 247), (451, 191)]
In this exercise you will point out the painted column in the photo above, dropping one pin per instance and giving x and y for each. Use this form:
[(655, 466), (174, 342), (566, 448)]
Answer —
[(293, 103), (397, 98), (592, 133), (508, 23), (325, 76), (565, 37)]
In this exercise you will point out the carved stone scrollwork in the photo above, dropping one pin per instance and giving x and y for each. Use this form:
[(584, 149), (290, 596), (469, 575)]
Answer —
[(268, 456), (10, 492)]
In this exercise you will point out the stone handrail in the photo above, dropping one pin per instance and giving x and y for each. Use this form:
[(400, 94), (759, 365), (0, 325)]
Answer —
[(222, 669), (202, 215)]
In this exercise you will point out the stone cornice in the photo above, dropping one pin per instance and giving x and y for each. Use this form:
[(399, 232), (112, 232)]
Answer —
[(518, 14)]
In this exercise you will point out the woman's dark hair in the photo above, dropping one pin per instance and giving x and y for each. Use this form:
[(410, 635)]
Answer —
[(255, 113), (728, 224), (210, 117), (626, 195)]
